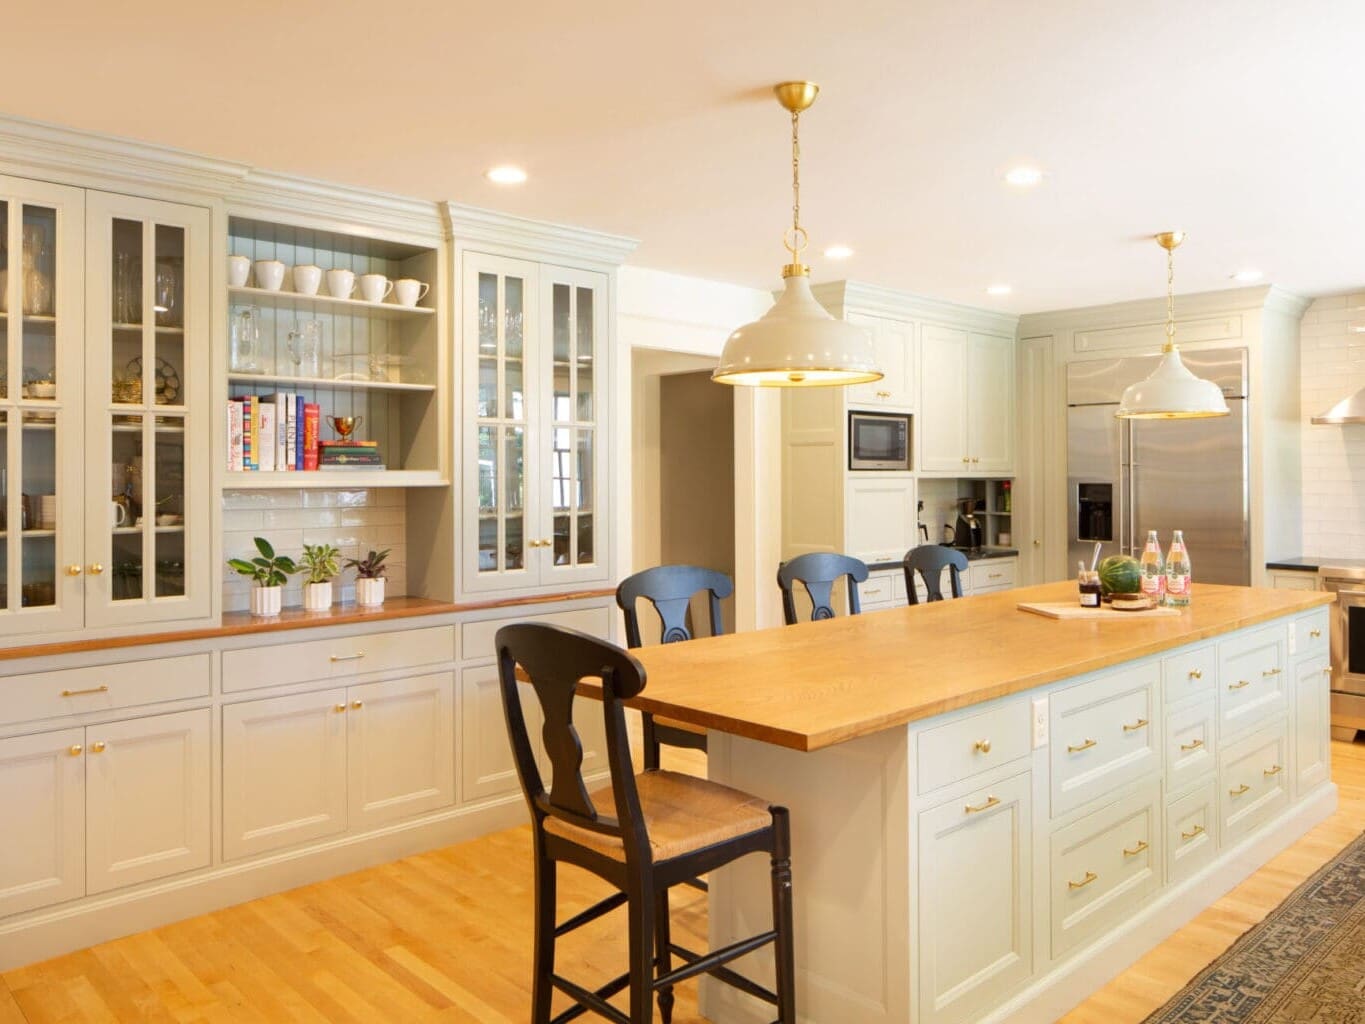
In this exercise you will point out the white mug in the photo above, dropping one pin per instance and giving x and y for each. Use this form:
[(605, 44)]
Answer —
[(341, 283), (307, 279), (118, 514), (239, 269), (407, 292), (269, 274), (375, 287)]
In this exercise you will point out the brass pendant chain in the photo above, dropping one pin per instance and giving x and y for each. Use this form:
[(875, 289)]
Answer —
[(796, 174), (1170, 299)]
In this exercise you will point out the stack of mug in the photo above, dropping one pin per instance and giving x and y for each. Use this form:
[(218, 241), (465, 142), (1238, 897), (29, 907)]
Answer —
[(341, 283)]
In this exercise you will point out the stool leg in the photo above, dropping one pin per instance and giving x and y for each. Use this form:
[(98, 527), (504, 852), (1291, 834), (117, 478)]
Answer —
[(651, 743), (544, 954), (663, 958), (640, 909), (784, 946)]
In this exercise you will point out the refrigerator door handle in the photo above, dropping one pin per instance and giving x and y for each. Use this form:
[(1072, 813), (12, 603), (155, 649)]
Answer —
[(1121, 506), (1130, 429)]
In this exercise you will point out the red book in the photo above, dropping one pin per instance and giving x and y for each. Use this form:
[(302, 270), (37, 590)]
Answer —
[(312, 416)]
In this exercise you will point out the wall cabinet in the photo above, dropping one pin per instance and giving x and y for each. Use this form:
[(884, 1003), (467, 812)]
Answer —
[(896, 351), (302, 767), (966, 421)]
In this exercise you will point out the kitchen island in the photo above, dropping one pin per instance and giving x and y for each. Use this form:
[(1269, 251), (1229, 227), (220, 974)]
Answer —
[(995, 812)]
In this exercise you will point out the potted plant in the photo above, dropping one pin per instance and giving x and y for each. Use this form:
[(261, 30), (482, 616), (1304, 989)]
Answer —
[(269, 572), (320, 564), (369, 578)]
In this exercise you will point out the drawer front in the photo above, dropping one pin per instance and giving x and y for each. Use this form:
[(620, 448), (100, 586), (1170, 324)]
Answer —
[(876, 591), (1104, 733), (278, 664), (1192, 672), (1191, 746), (992, 575), (1253, 781), (476, 638), (1311, 632), (104, 687), (963, 748), (1251, 679), (1103, 868), (1191, 831)]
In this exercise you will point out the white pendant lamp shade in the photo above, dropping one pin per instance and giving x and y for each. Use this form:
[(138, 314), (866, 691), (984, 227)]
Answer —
[(1172, 392), (797, 344)]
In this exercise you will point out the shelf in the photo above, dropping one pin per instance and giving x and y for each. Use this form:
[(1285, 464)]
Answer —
[(34, 318), (38, 534), (126, 328), (328, 383), (326, 304), (127, 531), (340, 479)]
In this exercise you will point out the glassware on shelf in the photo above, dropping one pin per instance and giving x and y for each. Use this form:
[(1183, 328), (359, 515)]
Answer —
[(168, 272), (38, 295), (127, 288), (305, 348), (244, 354)]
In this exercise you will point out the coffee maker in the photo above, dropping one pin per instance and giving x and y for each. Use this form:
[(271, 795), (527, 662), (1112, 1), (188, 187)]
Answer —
[(967, 532)]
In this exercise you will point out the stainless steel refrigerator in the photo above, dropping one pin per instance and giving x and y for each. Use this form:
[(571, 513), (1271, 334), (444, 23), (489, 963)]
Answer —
[(1125, 477)]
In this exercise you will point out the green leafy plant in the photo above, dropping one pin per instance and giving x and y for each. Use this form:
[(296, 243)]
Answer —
[(371, 567), (266, 570), (320, 562)]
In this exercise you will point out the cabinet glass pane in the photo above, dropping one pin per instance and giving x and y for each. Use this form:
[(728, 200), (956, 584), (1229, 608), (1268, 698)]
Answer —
[(514, 404), (169, 369), (515, 321), (38, 284), (488, 314), (583, 464), (127, 509), (561, 323), (488, 470), (4, 511), (170, 525), (5, 288), (39, 510), (515, 499), (126, 298), (488, 388), (583, 356)]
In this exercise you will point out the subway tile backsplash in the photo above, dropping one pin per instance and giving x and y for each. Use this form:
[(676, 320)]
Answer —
[(354, 520)]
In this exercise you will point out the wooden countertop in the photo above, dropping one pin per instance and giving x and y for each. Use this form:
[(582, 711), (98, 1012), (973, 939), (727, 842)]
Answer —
[(819, 683), (243, 623)]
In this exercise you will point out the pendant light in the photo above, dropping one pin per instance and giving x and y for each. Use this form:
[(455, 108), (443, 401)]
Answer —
[(797, 343), (1172, 392)]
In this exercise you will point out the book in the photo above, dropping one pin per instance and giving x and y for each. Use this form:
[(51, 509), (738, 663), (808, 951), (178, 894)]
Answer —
[(290, 426), (249, 425), (266, 432), (348, 444), (366, 466), (298, 431), (349, 457), (312, 417), (234, 435)]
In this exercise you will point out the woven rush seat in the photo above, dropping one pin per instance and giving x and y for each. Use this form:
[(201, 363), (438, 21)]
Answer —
[(681, 813)]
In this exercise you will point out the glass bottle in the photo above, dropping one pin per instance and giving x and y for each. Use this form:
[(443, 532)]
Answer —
[(1153, 569), (1178, 575)]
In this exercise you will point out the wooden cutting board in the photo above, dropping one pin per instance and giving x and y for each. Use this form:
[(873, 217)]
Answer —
[(1071, 610)]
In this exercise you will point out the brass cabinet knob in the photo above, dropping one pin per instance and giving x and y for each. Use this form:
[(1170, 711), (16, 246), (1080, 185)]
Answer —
[(73, 570), (975, 459), (966, 459), (1037, 543), (339, 708), (983, 746), (1196, 673), (1315, 633), (95, 569), (97, 747), (357, 704), (75, 750)]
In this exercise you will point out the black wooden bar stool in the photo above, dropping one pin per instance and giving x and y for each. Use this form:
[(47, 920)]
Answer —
[(660, 830), (929, 560), (670, 589), (818, 571)]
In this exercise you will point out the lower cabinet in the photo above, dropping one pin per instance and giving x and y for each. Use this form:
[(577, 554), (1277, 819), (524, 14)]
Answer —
[(975, 901), (303, 767), (1312, 712), (1254, 780), (1191, 831), (91, 809)]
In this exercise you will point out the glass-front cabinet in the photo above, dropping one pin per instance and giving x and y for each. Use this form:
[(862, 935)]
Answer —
[(533, 409)]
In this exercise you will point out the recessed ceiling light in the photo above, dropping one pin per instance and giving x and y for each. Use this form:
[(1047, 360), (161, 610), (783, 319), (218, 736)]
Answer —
[(998, 289), (838, 252), (505, 174), (1247, 276), (1023, 176)]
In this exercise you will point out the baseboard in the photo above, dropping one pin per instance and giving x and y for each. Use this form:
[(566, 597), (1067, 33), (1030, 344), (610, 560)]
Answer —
[(52, 931)]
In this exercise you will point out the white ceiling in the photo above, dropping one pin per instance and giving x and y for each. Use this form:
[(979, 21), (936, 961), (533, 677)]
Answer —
[(1239, 122)]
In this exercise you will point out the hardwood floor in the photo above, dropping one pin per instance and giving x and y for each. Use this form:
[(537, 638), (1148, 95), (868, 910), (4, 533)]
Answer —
[(445, 936)]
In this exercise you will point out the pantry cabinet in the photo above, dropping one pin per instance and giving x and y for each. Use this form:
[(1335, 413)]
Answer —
[(966, 423)]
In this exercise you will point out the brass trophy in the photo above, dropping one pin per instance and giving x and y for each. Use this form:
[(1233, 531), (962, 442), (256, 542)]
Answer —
[(345, 426)]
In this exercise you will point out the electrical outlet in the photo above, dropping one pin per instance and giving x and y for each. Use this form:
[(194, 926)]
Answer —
[(1040, 723)]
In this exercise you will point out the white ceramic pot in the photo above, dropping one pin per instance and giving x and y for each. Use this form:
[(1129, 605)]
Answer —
[(317, 597), (340, 283), (408, 292), (307, 279), (369, 593), (266, 601), (269, 274), (239, 269), (375, 287)]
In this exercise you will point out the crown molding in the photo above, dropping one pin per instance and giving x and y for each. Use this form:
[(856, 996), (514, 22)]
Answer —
[(857, 296), (532, 238), (287, 198), (1260, 298)]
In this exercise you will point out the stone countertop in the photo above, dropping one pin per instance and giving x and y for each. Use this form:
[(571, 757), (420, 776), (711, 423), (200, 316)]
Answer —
[(972, 556), (1303, 563)]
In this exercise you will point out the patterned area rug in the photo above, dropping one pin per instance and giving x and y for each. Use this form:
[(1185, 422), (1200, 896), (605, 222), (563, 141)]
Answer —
[(1304, 964)]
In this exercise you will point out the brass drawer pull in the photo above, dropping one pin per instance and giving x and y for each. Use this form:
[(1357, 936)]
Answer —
[(991, 801), (348, 657), (1076, 749), (1142, 845), (1193, 833), (1272, 771), (883, 394), (1090, 876), (1196, 673), (1272, 672), (1241, 684), (1192, 745), (982, 746), (85, 693), (1315, 633), (1243, 788), (1141, 723)]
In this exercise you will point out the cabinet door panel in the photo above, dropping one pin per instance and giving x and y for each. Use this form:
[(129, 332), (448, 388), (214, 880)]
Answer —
[(401, 753), (148, 798), (486, 765), (975, 901), (1312, 736), (893, 342), (879, 517), (941, 423), (284, 771), (990, 403), (42, 805)]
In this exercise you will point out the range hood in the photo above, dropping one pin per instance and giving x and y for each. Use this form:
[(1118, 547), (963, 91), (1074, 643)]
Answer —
[(1348, 410)]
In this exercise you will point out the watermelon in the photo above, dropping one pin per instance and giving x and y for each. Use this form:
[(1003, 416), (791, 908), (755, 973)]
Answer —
[(1120, 574)]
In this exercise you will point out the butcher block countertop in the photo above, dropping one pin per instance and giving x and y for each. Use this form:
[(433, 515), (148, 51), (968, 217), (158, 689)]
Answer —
[(816, 684)]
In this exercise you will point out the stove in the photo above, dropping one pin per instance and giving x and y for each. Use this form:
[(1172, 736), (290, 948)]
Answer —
[(1348, 647)]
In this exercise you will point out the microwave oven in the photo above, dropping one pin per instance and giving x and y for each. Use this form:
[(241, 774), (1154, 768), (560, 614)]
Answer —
[(879, 440)]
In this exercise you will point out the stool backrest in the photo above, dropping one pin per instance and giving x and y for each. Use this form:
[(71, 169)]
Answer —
[(555, 659), (818, 571), (670, 588), (929, 560)]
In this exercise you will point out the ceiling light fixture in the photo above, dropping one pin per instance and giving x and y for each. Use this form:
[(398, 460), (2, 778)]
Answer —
[(999, 289), (1023, 176), (797, 343), (505, 174), (1172, 392), (1247, 276), (838, 252)]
